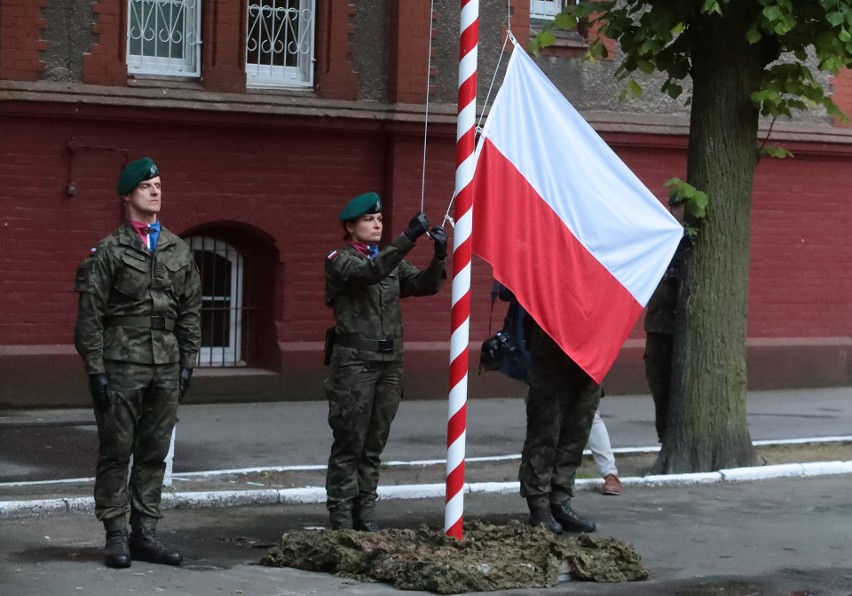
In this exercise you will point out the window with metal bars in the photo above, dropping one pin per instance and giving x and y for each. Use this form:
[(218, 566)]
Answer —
[(280, 43), (226, 321), (164, 37)]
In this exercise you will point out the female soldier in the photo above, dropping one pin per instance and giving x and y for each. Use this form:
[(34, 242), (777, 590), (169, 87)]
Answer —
[(364, 285)]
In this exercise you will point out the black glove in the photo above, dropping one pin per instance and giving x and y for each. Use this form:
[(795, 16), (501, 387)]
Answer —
[(99, 388), (417, 226), (440, 238), (183, 381)]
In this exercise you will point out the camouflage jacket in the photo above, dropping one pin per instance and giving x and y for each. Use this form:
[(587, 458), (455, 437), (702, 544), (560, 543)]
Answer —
[(122, 278), (662, 307), (660, 316), (365, 295)]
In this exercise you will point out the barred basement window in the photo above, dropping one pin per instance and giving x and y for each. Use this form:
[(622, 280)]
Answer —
[(223, 316), (164, 37), (280, 43)]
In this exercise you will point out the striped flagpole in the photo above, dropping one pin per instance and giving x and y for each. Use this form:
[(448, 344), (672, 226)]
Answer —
[(460, 318)]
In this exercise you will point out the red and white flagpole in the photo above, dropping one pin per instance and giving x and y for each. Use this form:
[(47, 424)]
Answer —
[(460, 318)]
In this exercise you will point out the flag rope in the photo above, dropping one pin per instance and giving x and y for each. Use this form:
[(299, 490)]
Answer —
[(426, 114), (462, 252)]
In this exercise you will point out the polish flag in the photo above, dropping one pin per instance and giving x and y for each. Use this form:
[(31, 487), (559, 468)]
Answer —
[(565, 225)]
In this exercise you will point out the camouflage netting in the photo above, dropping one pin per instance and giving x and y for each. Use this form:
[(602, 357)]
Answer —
[(489, 558)]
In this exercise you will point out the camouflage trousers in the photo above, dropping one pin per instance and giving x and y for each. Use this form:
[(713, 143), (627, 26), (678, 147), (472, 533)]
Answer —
[(658, 371), (363, 398), (139, 423), (561, 406)]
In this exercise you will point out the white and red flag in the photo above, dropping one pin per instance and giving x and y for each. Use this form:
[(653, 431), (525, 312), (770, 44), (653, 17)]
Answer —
[(564, 223)]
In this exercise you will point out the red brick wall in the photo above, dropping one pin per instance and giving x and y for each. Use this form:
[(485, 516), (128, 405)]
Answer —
[(408, 51), (105, 64), (20, 39), (842, 95), (222, 54), (284, 182), (800, 284), (288, 184), (336, 78)]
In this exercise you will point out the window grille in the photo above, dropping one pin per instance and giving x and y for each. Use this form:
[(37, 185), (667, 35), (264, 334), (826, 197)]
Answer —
[(547, 9), (164, 37), (226, 322), (280, 43)]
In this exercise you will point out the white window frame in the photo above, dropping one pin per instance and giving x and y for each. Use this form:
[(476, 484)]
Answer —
[(144, 23), (230, 355), (547, 9), (258, 34)]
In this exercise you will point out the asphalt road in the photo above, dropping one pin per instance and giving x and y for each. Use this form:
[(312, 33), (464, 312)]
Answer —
[(46, 445), (774, 537), (785, 536)]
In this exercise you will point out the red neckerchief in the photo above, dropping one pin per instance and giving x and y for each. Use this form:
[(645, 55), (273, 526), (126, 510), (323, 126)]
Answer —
[(367, 250), (141, 230)]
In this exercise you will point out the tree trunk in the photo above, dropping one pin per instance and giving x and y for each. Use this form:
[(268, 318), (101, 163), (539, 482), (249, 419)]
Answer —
[(706, 425)]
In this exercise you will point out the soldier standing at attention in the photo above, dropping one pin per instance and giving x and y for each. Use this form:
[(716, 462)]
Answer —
[(364, 286), (561, 406), (659, 337), (138, 331)]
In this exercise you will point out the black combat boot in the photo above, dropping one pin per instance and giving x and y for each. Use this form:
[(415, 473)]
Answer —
[(363, 517), (340, 518), (145, 546), (540, 514), (116, 551), (365, 525), (569, 519)]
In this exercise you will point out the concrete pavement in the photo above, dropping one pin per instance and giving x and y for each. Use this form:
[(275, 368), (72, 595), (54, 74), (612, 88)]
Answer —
[(56, 444)]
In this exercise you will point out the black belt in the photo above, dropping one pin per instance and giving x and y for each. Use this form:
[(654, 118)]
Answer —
[(142, 321), (348, 340)]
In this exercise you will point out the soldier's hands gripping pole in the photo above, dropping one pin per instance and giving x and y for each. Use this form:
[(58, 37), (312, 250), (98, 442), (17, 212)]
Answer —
[(99, 388), (418, 226)]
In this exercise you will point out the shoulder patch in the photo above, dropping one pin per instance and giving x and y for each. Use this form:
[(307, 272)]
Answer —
[(332, 255), (81, 279)]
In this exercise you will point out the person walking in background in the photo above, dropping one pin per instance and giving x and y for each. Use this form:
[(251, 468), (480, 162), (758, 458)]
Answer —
[(364, 286), (601, 449), (138, 331)]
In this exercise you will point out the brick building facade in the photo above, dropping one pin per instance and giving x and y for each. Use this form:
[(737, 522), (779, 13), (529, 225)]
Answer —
[(257, 158)]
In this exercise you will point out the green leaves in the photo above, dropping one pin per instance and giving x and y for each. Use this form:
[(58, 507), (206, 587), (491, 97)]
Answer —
[(788, 87), (632, 90), (775, 151), (694, 200)]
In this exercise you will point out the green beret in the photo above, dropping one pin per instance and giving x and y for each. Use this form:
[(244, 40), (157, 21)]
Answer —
[(136, 172), (369, 202)]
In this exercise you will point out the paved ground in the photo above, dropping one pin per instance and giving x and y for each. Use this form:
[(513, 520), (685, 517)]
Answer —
[(775, 536)]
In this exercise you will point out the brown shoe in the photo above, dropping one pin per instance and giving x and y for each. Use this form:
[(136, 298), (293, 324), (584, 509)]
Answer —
[(611, 485)]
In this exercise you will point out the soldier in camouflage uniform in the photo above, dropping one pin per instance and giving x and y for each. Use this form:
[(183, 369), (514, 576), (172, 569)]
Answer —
[(561, 406), (138, 331), (364, 286), (659, 334)]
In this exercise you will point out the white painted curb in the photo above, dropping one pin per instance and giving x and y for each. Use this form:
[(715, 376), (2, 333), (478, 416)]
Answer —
[(315, 494)]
